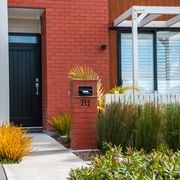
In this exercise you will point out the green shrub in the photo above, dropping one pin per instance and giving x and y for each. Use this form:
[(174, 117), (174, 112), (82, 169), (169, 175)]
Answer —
[(171, 130), (130, 125), (148, 126), (133, 165), (61, 124), (14, 143), (116, 124)]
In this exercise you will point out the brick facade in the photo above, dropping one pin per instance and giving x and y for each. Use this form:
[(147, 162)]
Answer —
[(72, 34)]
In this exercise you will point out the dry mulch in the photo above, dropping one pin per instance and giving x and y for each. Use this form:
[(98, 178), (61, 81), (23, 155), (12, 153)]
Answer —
[(87, 155), (62, 141), (84, 155)]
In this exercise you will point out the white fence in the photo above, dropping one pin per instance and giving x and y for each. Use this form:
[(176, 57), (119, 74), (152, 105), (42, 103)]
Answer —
[(138, 98)]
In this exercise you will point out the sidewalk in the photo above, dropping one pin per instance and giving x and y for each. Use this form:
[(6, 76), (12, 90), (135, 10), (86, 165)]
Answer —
[(49, 161)]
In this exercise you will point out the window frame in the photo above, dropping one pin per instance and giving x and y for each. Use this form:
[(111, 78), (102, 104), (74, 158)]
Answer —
[(152, 31)]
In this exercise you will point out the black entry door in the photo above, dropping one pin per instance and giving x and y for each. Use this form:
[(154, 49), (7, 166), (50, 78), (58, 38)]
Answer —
[(25, 80)]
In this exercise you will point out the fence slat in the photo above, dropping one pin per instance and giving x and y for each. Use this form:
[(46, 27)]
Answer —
[(139, 98)]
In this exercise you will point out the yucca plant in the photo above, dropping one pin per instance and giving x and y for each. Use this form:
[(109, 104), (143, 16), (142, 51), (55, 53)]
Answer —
[(148, 126), (14, 143), (122, 90), (87, 73), (61, 124), (117, 124), (171, 130)]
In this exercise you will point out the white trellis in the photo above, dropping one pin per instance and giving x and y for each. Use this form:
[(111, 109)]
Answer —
[(145, 16)]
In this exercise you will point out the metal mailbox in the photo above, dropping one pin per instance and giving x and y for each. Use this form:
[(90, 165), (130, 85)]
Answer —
[(85, 91)]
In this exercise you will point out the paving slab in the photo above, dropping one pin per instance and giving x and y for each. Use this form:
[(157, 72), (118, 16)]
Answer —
[(48, 161), (2, 173)]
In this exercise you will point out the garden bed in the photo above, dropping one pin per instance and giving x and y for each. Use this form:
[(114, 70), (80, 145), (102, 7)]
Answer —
[(87, 155), (84, 155)]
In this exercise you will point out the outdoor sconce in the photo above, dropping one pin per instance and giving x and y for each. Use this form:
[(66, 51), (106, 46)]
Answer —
[(103, 46)]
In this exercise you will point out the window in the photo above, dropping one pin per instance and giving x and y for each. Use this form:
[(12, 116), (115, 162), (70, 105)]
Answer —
[(159, 61), (168, 61), (145, 47), (30, 39)]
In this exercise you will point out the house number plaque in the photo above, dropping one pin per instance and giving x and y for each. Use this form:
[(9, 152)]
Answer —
[(85, 102)]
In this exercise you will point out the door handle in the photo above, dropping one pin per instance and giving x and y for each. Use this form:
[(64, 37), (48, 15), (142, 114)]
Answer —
[(37, 88)]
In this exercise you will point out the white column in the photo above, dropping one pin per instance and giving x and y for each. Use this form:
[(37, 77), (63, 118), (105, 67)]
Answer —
[(135, 48), (4, 63)]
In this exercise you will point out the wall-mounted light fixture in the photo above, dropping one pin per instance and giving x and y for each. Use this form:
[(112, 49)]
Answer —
[(103, 46)]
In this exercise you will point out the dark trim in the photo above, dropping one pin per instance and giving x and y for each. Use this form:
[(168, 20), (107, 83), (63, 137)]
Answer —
[(24, 34), (144, 29), (155, 60), (119, 66)]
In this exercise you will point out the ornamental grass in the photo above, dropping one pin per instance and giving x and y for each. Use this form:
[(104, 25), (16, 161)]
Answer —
[(14, 143)]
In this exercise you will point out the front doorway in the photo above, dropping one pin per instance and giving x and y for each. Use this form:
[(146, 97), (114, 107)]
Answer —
[(25, 80)]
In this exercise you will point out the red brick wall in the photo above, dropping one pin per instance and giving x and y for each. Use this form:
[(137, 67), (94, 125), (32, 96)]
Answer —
[(72, 33), (84, 115)]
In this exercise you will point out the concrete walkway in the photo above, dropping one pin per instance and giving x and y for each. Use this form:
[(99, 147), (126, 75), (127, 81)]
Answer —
[(49, 161)]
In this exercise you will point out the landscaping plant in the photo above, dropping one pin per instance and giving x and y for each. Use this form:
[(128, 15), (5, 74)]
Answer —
[(86, 73), (131, 125), (117, 124), (148, 126), (171, 126), (61, 124), (122, 90), (132, 165), (14, 143)]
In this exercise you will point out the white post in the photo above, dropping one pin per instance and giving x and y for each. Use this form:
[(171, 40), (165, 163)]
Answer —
[(4, 64), (135, 48)]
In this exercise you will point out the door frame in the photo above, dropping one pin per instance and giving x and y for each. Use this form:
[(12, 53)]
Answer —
[(38, 35)]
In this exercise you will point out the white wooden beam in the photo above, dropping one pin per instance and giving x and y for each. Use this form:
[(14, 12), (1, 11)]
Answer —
[(135, 49), (173, 20), (157, 9), (148, 19), (141, 17), (154, 11), (123, 17), (163, 24)]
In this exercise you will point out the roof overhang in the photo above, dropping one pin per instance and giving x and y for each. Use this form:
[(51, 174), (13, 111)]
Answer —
[(25, 13), (147, 15)]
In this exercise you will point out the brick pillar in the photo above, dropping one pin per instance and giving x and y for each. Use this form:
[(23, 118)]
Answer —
[(83, 116)]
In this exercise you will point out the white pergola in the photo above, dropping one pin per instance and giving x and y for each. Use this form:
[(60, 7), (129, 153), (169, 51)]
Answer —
[(145, 16)]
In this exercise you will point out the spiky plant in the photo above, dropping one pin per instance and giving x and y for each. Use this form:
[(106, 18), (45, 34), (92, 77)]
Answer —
[(15, 143), (117, 124), (61, 124), (87, 73), (122, 90), (148, 126), (171, 130)]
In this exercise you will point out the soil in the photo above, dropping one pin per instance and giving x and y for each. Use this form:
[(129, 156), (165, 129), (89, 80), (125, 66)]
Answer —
[(62, 141), (84, 155), (87, 155)]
